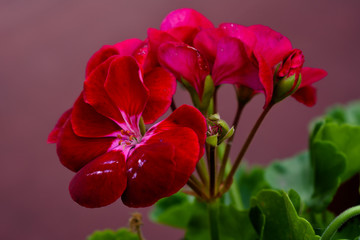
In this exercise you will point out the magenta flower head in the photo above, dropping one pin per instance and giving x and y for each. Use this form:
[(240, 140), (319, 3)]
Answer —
[(100, 137)]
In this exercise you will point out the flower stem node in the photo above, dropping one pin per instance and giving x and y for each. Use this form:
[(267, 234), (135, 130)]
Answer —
[(218, 130), (201, 102)]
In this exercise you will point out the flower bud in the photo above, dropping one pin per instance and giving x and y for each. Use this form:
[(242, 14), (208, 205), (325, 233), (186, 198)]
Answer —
[(288, 75), (218, 130)]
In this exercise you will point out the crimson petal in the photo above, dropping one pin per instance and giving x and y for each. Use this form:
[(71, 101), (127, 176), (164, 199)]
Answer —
[(125, 88), (311, 75), (162, 86), (53, 135), (186, 116), (184, 61), (231, 58), (95, 94), (272, 45), (306, 95), (124, 48), (86, 122), (101, 182), (150, 173), (185, 17), (75, 152)]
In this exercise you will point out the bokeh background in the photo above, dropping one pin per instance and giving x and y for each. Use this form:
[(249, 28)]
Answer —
[(44, 48)]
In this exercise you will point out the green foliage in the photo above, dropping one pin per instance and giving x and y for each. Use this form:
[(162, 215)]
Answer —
[(121, 234), (174, 211), (286, 200), (275, 217)]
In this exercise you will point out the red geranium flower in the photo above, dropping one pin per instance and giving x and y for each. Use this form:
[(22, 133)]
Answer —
[(100, 139)]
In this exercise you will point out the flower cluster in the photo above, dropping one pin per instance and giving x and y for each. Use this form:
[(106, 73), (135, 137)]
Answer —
[(106, 138)]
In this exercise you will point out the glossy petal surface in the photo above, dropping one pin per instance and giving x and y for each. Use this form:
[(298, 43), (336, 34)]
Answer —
[(150, 173), (75, 152), (100, 182)]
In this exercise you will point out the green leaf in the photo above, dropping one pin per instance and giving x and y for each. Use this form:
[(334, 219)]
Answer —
[(293, 173), (346, 138), (174, 211), (233, 224), (250, 183), (314, 177), (345, 114), (328, 164), (121, 234), (274, 217)]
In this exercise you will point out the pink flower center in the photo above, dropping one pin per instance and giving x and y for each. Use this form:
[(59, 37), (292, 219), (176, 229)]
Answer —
[(128, 139)]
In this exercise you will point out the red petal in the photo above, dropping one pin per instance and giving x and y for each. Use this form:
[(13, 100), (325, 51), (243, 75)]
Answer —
[(185, 61), (184, 34), (156, 38), (150, 173), (99, 57), (86, 122), (53, 136), (186, 148), (231, 58), (190, 117), (244, 34), (101, 182), (95, 94), (311, 75), (306, 95), (125, 88), (185, 17), (162, 86), (206, 41), (124, 48), (272, 45), (75, 152), (266, 78)]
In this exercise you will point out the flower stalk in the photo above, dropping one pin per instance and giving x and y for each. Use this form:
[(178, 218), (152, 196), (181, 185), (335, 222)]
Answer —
[(339, 221), (229, 178)]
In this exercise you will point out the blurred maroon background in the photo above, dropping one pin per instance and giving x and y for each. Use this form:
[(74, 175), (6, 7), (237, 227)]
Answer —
[(44, 47)]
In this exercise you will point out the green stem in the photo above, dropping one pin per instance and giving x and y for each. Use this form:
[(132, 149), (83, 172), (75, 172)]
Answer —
[(199, 192), (224, 161), (213, 209), (212, 170), (339, 221), (244, 148), (202, 172)]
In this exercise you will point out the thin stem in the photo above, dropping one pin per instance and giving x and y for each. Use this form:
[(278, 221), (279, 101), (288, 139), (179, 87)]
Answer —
[(213, 209), (244, 148), (339, 221), (224, 161), (200, 168), (173, 105), (212, 170), (197, 189)]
